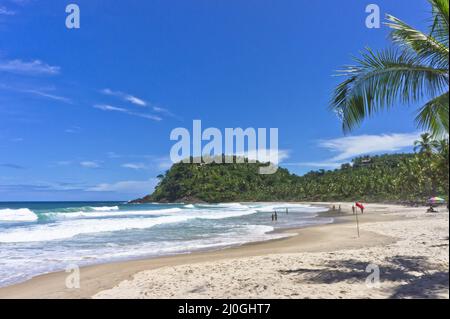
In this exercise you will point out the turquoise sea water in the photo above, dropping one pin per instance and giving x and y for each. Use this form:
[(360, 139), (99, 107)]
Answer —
[(41, 237)]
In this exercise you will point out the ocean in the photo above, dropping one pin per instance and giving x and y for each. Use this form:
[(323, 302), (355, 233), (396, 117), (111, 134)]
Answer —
[(42, 237)]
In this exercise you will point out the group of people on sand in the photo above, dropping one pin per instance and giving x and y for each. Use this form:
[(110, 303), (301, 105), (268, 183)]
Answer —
[(339, 209), (354, 208)]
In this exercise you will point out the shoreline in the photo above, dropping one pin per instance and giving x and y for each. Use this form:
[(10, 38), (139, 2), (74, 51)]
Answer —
[(337, 236), (275, 231)]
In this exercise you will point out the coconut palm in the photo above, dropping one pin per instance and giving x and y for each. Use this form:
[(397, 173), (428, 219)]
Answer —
[(426, 144), (442, 147), (414, 70), (442, 164)]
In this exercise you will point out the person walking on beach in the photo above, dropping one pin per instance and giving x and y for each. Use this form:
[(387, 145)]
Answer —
[(273, 217), (276, 216)]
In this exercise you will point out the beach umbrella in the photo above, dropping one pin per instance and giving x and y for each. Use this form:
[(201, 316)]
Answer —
[(436, 200)]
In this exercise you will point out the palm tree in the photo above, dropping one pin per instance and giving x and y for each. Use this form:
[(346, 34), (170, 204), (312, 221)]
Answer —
[(426, 144), (442, 164), (442, 147), (417, 68)]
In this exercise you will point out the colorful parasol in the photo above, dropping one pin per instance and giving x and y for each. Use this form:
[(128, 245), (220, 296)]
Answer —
[(436, 200)]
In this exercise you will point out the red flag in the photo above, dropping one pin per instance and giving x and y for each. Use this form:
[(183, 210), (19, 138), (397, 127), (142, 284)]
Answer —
[(359, 205)]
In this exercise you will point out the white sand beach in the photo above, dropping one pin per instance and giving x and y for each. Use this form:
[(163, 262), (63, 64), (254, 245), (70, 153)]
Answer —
[(409, 247), (412, 264)]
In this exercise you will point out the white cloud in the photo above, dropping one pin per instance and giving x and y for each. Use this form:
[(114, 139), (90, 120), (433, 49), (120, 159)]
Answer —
[(42, 92), (73, 130), (147, 116), (35, 67), (150, 161), (131, 187), (125, 96), (90, 164), (135, 100), (163, 163), (106, 107), (163, 111), (139, 102), (353, 146), (159, 109), (6, 12), (107, 92), (49, 96), (135, 166), (350, 147)]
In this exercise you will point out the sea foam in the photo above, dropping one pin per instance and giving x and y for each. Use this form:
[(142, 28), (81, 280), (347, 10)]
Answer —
[(86, 223), (106, 214), (17, 215), (105, 208)]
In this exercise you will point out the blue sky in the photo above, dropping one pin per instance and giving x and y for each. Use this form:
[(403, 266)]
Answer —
[(86, 114)]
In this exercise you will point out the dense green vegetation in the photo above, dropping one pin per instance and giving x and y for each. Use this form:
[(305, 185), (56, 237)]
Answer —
[(398, 177)]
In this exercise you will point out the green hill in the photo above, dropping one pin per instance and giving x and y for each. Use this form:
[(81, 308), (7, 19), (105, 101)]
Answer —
[(398, 177)]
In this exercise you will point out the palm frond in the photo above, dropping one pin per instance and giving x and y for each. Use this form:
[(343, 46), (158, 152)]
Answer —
[(440, 26), (427, 48), (380, 80), (434, 115)]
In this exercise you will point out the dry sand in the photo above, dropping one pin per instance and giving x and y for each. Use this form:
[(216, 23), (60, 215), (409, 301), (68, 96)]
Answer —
[(408, 247)]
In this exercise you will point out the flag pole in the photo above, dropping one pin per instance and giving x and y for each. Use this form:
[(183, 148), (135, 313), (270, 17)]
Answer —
[(357, 222)]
